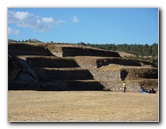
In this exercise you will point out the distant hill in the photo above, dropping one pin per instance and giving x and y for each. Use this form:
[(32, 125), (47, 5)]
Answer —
[(12, 40), (30, 41), (34, 41)]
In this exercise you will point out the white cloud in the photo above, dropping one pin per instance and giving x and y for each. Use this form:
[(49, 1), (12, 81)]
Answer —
[(48, 19), (21, 15), (13, 31), (29, 20), (75, 19)]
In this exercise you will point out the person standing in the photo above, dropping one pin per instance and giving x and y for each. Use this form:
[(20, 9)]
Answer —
[(124, 87)]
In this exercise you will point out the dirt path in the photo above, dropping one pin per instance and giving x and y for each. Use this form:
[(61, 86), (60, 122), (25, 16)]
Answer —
[(88, 106)]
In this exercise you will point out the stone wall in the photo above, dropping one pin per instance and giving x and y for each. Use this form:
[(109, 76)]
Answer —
[(136, 73), (51, 62), (97, 62), (69, 51), (84, 86), (26, 49), (105, 74), (57, 86), (118, 86), (117, 61), (62, 74), (39, 86)]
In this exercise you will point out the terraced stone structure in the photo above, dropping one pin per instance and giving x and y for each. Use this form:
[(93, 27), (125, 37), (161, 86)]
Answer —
[(58, 67)]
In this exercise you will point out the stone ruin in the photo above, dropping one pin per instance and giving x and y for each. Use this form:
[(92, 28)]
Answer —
[(54, 67)]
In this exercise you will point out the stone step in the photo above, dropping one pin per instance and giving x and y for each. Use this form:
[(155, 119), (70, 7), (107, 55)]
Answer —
[(65, 51), (75, 85), (79, 85), (99, 74), (47, 86), (52, 62), (49, 74), (27, 49)]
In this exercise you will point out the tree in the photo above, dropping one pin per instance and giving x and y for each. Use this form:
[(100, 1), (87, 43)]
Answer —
[(137, 49), (82, 43)]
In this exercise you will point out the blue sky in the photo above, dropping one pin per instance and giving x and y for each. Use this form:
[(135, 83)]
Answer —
[(89, 25)]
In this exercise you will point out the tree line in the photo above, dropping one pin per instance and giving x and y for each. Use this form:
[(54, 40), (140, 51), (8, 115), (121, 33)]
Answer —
[(136, 49), (143, 52)]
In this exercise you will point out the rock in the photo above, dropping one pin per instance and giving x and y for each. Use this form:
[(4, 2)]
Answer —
[(27, 70), (19, 70), (24, 77), (14, 67)]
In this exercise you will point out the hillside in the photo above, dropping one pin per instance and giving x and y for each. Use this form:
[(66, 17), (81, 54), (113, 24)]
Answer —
[(50, 66)]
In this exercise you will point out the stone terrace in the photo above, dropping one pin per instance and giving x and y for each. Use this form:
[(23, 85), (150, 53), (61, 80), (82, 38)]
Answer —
[(73, 67)]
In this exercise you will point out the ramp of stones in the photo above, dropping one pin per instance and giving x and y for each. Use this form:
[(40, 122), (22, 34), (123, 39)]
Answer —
[(111, 72)]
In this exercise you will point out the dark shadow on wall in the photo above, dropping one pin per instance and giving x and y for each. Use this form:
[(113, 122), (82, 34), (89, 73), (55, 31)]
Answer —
[(67, 51), (57, 86), (51, 62), (123, 74), (25, 49), (117, 61)]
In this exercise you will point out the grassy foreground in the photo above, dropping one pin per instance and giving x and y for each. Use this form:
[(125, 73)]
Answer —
[(82, 106)]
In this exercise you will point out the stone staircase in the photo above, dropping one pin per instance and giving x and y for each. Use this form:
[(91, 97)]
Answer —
[(57, 74)]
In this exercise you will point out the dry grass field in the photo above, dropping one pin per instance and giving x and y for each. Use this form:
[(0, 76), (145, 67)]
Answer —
[(82, 106)]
